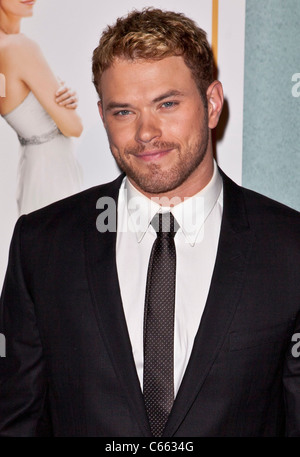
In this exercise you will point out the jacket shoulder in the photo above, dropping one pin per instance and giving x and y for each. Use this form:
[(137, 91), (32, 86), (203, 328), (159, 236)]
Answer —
[(76, 208), (265, 216), (256, 202)]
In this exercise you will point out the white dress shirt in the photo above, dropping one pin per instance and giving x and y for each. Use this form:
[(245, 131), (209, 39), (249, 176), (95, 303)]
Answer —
[(199, 218)]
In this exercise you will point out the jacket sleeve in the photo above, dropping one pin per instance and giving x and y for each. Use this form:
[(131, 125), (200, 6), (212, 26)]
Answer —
[(23, 383), (291, 382)]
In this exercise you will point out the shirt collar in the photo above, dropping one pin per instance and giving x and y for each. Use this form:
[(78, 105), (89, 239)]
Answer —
[(140, 210), (190, 214), (193, 212)]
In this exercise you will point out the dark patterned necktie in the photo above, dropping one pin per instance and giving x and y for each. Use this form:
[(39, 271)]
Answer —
[(159, 325)]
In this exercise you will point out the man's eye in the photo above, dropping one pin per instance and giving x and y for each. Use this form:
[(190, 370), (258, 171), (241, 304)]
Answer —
[(169, 104), (123, 112)]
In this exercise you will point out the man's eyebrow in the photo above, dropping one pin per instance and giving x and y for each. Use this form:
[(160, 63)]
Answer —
[(113, 105), (116, 105), (170, 93)]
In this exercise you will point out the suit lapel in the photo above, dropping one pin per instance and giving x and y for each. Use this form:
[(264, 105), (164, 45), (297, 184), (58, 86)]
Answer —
[(228, 277), (108, 308)]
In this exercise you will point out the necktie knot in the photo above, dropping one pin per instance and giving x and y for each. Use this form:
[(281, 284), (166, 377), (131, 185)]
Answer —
[(165, 225)]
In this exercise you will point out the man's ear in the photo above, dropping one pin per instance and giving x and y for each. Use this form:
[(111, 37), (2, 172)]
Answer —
[(215, 99), (100, 109)]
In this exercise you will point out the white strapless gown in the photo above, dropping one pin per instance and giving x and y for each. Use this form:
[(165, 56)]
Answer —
[(48, 170)]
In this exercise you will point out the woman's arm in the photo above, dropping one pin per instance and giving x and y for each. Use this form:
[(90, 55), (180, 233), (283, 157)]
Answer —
[(65, 96), (35, 72)]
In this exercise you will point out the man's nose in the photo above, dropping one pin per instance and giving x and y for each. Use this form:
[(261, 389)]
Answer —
[(148, 128)]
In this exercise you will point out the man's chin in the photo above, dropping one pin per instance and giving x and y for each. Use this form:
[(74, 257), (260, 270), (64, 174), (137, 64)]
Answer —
[(154, 186)]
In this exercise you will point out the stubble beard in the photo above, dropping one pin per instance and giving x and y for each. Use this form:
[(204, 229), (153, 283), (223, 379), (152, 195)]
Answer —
[(158, 181)]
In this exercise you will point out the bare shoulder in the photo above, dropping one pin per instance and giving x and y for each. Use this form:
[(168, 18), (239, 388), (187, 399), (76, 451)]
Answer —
[(24, 42), (18, 45)]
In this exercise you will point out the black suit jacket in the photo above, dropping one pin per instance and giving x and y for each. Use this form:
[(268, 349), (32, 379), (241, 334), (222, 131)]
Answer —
[(69, 369)]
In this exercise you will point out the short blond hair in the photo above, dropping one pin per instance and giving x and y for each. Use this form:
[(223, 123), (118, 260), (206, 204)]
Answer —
[(154, 34)]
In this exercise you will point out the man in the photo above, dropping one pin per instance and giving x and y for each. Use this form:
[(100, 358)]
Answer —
[(87, 353)]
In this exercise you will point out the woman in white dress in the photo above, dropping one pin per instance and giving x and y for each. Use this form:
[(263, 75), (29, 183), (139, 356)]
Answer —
[(42, 112)]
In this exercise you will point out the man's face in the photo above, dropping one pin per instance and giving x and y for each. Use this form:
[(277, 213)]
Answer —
[(156, 123)]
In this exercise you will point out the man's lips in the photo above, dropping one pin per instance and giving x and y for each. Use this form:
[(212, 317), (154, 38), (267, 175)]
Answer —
[(148, 156)]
